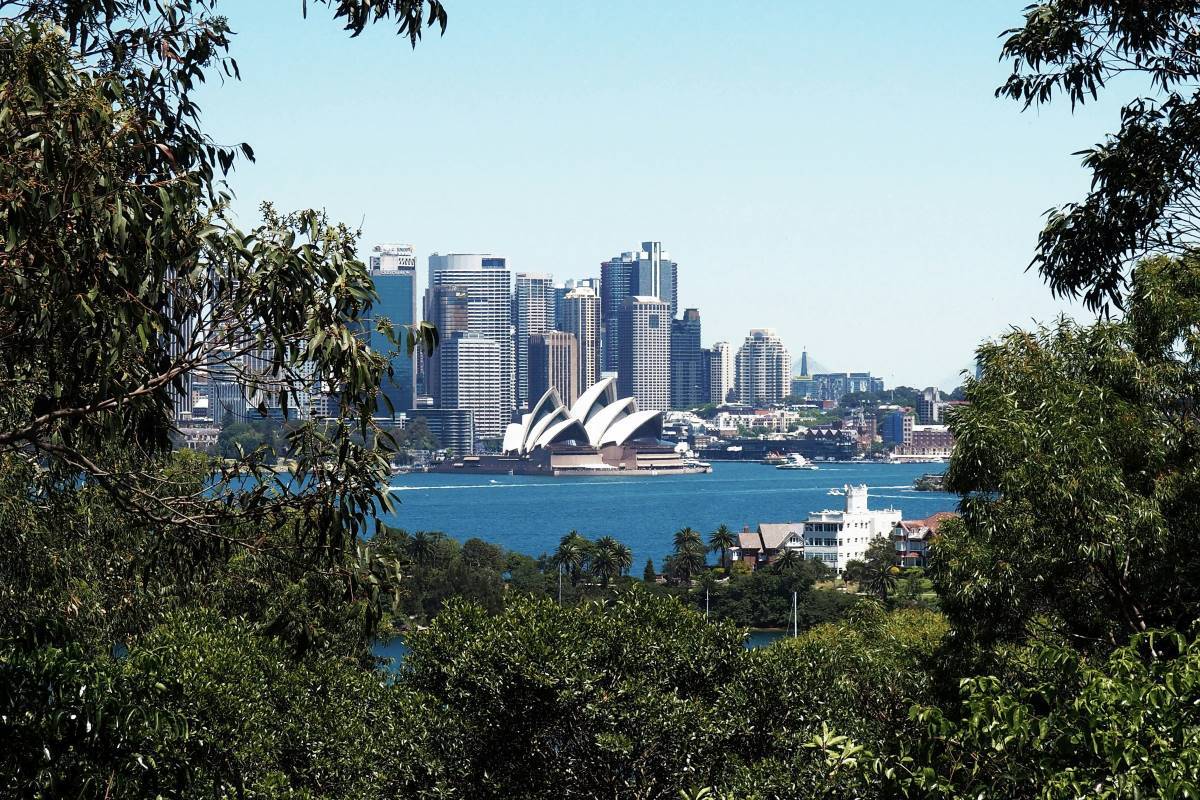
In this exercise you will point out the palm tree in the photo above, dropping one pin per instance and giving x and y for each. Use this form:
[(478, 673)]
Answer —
[(624, 557), (420, 546), (722, 541), (689, 558), (571, 555), (603, 563), (610, 559), (789, 561), (881, 580), (687, 537)]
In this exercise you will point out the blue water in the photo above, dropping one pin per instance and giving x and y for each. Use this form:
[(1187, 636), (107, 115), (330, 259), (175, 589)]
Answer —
[(530, 514)]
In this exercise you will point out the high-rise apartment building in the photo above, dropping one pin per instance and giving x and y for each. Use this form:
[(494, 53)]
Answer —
[(447, 308), (929, 406), (488, 283), (554, 361), (648, 272), (561, 290), (394, 272), (644, 352), (686, 368), (580, 315), (470, 377), (763, 369), (720, 372), (533, 314)]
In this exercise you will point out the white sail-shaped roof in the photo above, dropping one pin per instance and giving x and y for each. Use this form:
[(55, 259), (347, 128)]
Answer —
[(600, 394), (639, 422), (597, 418), (603, 419), (514, 435), (537, 429), (562, 431)]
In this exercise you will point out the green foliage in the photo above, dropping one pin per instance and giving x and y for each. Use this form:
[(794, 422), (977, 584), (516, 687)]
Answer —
[(810, 713), (763, 598), (200, 707), (1077, 459), (649, 575), (583, 701), (1068, 725), (416, 436), (1142, 198), (122, 275)]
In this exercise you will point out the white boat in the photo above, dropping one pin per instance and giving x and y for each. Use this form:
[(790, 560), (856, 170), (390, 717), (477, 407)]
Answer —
[(796, 461), (835, 492)]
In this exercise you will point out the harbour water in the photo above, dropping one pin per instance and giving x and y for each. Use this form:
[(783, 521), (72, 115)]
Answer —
[(530, 514)]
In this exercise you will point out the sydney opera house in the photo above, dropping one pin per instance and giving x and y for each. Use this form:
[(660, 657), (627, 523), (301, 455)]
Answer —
[(600, 434)]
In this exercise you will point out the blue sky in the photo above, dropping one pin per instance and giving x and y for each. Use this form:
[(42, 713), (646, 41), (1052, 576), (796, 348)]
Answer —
[(839, 172)]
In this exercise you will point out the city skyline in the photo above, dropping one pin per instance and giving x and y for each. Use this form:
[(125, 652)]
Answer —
[(798, 154)]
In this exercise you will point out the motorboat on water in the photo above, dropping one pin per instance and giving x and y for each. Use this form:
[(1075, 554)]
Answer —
[(836, 492), (796, 461)]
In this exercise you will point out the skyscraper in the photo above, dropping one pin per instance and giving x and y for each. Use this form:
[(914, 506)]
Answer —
[(686, 368), (553, 361), (720, 372), (533, 313), (487, 281), (394, 271), (561, 290), (617, 281), (470, 377), (764, 369), (648, 272), (447, 308), (644, 357), (581, 316)]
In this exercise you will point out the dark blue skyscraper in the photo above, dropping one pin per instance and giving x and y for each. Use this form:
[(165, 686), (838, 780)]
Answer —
[(394, 270), (688, 386), (648, 272)]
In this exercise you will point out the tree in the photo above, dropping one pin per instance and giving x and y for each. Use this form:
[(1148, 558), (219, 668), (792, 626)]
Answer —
[(572, 555), (627, 691), (1077, 462), (1144, 187), (1137, 709), (648, 574), (689, 557), (608, 559), (687, 538), (879, 572), (114, 210), (722, 541)]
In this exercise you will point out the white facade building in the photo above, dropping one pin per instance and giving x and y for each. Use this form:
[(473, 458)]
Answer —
[(837, 537), (387, 258), (533, 314), (644, 362), (764, 369), (720, 372), (471, 379), (488, 283), (581, 316)]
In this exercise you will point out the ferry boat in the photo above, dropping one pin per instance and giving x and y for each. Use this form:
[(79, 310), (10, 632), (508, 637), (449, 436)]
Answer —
[(796, 461), (773, 458)]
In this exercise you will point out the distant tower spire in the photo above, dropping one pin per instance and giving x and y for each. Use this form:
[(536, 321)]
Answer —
[(804, 363)]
